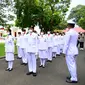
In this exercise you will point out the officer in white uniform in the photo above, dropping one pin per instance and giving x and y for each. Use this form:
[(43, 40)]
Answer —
[(61, 42), (32, 52), (9, 51), (58, 44), (23, 48), (54, 49), (70, 52), (50, 45), (43, 48), (18, 45)]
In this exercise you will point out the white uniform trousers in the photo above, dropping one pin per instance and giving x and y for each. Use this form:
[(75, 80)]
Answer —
[(43, 57), (54, 51), (31, 58), (61, 48), (19, 52), (50, 53), (42, 61), (54, 54), (24, 56), (58, 50), (10, 64), (71, 64)]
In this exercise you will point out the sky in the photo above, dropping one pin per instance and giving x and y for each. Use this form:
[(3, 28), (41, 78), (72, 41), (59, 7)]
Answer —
[(74, 3)]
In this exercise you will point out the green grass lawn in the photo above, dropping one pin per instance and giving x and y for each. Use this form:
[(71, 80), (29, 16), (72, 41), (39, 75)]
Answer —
[(2, 50)]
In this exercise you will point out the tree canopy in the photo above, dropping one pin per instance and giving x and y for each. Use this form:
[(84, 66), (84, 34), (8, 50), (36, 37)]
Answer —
[(6, 9), (48, 13), (78, 14)]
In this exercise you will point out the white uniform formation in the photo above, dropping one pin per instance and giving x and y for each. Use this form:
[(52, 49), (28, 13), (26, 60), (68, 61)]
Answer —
[(45, 46), (32, 46)]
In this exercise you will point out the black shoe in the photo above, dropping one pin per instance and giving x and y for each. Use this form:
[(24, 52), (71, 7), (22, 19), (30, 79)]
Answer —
[(34, 74), (22, 63), (54, 57), (7, 69), (69, 81), (25, 64), (18, 58), (10, 69), (43, 66), (29, 73), (40, 66), (69, 77), (49, 61), (57, 54)]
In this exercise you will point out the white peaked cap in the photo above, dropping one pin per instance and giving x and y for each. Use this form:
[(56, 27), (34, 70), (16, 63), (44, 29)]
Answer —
[(70, 22)]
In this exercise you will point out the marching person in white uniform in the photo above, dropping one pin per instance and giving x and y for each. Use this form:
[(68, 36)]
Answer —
[(58, 44), (9, 51), (32, 51), (54, 49), (50, 45), (18, 45), (23, 48), (70, 51), (43, 48), (61, 42)]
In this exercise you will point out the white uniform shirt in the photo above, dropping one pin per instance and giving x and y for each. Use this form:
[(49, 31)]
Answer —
[(50, 40), (32, 43), (55, 40), (9, 44), (42, 42), (70, 43), (62, 40), (23, 42), (18, 40)]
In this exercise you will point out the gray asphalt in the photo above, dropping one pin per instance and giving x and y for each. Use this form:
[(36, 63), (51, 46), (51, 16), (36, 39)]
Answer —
[(54, 74)]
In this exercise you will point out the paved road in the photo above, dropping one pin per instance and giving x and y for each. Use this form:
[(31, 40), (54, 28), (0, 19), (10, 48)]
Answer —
[(54, 73)]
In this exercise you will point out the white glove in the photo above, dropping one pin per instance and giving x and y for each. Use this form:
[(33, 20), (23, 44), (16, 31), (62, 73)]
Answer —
[(36, 53)]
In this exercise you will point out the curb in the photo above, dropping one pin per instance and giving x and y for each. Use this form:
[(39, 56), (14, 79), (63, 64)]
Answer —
[(2, 57)]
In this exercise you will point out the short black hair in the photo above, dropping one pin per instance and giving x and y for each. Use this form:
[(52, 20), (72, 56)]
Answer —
[(71, 25), (9, 30), (23, 30), (19, 32)]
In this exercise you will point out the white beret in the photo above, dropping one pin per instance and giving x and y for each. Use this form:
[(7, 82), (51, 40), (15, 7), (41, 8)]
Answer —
[(70, 22)]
